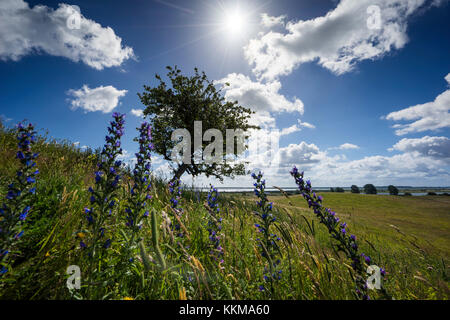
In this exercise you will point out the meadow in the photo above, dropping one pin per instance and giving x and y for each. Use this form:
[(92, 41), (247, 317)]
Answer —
[(184, 248)]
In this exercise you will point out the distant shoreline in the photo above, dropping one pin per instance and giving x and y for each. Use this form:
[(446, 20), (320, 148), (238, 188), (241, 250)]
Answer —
[(414, 191)]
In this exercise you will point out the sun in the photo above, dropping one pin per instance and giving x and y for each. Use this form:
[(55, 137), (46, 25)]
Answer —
[(235, 22)]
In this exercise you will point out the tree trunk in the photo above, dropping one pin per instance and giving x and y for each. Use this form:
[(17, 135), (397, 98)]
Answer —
[(179, 172)]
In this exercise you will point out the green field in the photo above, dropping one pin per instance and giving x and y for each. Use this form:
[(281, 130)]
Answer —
[(408, 236), (422, 220)]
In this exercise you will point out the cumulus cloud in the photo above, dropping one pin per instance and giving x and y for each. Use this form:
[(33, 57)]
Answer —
[(270, 22), (263, 119), (423, 162), (137, 112), (408, 167), (428, 116), (337, 41), (416, 165), (300, 154), (103, 98), (346, 146), (165, 170), (264, 145), (259, 96), (62, 32), (265, 99), (435, 147)]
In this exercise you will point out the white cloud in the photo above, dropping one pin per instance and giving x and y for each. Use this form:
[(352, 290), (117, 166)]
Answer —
[(408, 167), (263, 119), (337, 41), (418, 164), (127, 158), (273, 132), (300, 154), (270, 22), (265, 99), (165, 170), (435, 147), (306, 124), (428, 116), (422, 161), (264, 146), (258, 96), (157, 160), (137, 112), (289, 130), (103, 99), (25, 30), (346, 146)]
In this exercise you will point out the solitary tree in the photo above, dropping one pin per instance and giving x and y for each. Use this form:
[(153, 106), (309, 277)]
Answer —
[(339, 189), (392, 190), (190, 99), (370, 189), (354, 189)]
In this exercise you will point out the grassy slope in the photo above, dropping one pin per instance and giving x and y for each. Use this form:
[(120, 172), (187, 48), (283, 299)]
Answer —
[(416, 267)]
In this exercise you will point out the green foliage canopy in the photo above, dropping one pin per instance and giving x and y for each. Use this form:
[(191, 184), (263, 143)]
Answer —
[(392, 190), (354, 189), (370, 189), (189, 99)]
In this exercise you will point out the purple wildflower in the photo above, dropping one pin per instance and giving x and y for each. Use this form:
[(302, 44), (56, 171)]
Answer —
[(268, 244), (346, 243), (19, 197)]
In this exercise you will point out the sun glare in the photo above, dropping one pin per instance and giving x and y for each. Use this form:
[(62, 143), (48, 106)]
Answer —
[(234, 22)]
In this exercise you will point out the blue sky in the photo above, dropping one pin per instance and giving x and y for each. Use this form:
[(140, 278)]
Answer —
[(357, 104)]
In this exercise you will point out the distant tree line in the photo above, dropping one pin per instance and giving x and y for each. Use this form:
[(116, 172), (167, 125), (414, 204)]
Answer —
[(371, 189), (368, 189)]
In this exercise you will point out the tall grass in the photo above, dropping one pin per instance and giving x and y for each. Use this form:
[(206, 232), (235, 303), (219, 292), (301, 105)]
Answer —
[(167, 266)]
